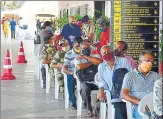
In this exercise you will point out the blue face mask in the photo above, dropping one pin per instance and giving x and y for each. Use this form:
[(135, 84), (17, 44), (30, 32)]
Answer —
[(48, 28), (102, 29)]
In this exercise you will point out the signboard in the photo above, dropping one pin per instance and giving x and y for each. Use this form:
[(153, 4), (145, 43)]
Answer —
[(137, 23)]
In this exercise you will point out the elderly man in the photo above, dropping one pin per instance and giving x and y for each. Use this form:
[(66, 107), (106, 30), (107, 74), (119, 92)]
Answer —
[(139, 82), (71, 30), (105, 74), (88, 29), (69, 68), (83, 61), (120, 51)]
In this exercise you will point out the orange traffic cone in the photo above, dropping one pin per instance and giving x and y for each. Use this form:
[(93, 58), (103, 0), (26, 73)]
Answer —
[(21, 56), (7, 68)]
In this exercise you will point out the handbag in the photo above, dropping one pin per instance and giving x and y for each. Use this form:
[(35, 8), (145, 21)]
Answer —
[(88, 74)]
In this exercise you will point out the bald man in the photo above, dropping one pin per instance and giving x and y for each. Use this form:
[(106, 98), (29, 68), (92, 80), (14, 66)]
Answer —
[(71, 30), (139, 82)]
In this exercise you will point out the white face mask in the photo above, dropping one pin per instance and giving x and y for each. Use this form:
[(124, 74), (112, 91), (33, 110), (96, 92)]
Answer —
[(65, 49)]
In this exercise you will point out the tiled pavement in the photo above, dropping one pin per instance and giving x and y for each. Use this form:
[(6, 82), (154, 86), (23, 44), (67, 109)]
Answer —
[(23, 98)]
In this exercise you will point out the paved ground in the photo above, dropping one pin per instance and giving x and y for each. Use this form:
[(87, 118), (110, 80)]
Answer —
[(23, 98)]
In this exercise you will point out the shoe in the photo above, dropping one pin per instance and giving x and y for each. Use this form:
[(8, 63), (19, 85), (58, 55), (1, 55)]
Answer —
[(74, 107)]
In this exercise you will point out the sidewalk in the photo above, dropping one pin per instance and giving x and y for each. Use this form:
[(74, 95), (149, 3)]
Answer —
[(23, 98)]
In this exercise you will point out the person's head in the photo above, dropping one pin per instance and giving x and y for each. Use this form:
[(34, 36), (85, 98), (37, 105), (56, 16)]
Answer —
[(3, 18), (20, 17), (121, 48), (85, 19), (72, 20), (85, 48), (107, 53), (146, 60), (76, 44), (12, 18), (64, 44), (103, 24), (47, 23)]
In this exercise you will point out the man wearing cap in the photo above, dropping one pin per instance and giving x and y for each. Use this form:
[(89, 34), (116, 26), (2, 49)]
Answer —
[(88, 29), (57, 62), (71, 30), (69, 68), (105, 31)]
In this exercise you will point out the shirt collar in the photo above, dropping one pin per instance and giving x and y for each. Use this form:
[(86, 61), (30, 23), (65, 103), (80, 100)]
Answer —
[(139, 73), (115, 63)]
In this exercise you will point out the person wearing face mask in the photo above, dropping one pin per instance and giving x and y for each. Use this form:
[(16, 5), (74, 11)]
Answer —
[(120, 51), (139, 82), (69, 68), (88, 29), (105, 73), (105, 31), (71, 30), (57, 62), (83, 61)]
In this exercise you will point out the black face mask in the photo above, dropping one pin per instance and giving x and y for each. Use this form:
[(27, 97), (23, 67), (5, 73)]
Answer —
[(117, 52), (86, 52)]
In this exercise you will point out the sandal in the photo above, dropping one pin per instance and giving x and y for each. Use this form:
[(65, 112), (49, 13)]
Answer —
[(89, 114)]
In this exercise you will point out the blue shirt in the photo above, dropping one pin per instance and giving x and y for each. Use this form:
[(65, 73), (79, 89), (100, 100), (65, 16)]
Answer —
[(12, 24), (69, 30), (138, 84), (105, 73), (69, 59)]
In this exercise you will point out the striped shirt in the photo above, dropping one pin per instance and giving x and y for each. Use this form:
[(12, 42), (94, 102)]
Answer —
[(138, 84), (105, 73), (157, 97), (69, 59)]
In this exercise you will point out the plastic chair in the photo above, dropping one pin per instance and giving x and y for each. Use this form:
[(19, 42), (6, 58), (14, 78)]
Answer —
[(129, 109), (56, 84), (47, 78), (111, 110), (146, 100), (66, 95), (79, 98)]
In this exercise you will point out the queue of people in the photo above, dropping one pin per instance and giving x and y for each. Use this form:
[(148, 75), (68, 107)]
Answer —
[(77, 53)]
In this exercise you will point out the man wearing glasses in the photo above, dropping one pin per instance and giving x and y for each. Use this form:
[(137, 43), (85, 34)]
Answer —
[(139, 82)]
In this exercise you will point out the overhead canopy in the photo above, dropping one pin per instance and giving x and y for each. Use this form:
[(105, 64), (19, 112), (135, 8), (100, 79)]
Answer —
[(45, 15)]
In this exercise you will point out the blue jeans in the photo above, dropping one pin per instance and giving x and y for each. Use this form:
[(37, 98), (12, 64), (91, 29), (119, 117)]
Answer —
[(71, 82), (135, 112)]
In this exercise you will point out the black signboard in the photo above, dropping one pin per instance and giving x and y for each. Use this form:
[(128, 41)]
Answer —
[(140, 28)]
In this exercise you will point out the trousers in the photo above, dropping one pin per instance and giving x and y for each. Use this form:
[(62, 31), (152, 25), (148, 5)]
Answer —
[(85, 92), (71, 82)]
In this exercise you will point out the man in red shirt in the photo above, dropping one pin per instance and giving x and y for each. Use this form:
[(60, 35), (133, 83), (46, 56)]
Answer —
[(105, 31)]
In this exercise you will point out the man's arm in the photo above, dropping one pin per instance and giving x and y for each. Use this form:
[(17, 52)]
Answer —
[(94, 60), (83, 65), (66, 70), (125, 94)]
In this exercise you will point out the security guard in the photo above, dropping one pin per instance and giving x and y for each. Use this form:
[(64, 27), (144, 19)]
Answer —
[(57, 62)]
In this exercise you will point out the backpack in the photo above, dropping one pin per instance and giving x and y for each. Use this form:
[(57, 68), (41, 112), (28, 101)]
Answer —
[(88, 74), (117, 80)]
